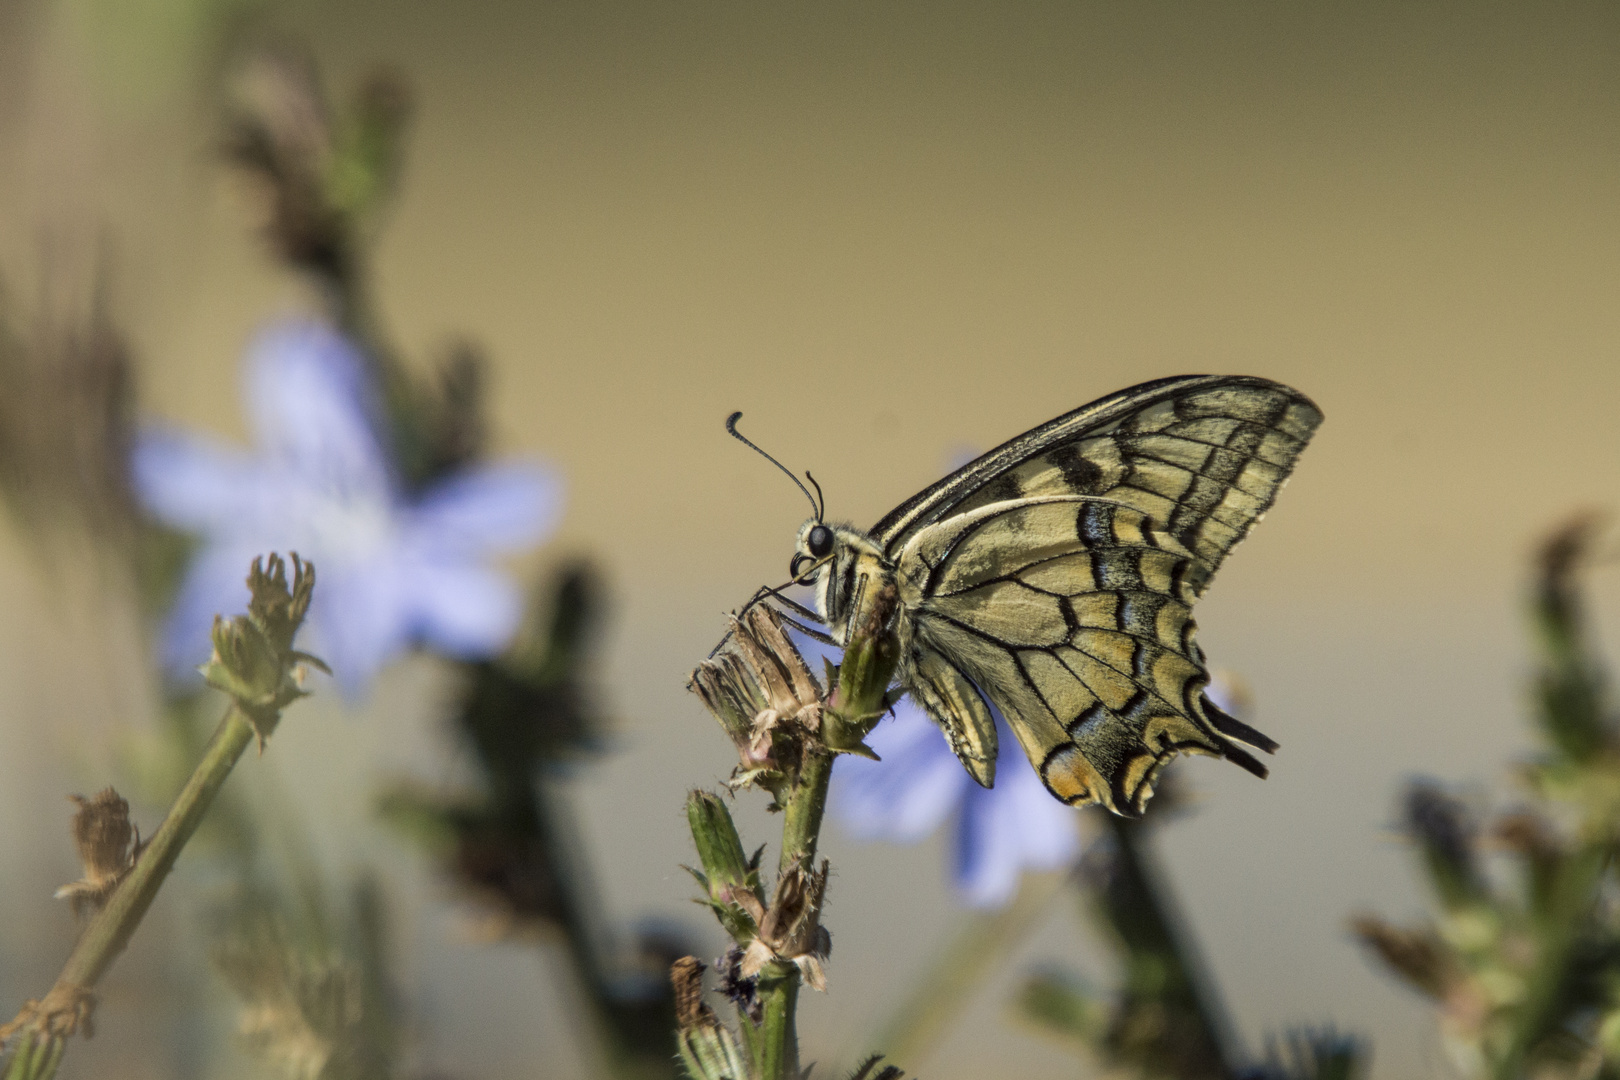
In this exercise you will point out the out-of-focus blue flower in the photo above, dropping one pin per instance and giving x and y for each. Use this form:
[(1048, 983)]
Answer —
[(1000, 832), (394, 570)]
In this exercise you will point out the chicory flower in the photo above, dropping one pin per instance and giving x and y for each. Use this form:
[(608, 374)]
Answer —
[(397, 568)]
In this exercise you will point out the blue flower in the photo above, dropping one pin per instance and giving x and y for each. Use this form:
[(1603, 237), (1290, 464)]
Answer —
[(395, 569), (1000, 832)]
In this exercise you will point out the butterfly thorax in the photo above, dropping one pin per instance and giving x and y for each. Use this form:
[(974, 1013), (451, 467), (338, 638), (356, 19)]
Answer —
[(849, 577)]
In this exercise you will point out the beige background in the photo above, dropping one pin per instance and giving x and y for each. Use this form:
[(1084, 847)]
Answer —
[(884, 232)]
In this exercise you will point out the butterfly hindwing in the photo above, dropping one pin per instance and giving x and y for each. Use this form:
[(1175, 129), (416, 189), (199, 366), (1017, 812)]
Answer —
[(1202, 456), (1073, 615)]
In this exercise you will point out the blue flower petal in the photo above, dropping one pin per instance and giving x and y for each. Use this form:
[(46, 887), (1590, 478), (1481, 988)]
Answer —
[(463, 609), (910, 792), (357, 621), (312, 405), (192, 483), (1001, 832), (502, 507), (1013, 827), (391, 574)]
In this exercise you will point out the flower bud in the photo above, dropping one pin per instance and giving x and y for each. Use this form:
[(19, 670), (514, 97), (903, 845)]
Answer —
[(1418, 956), (254, 660), (862, 695), (729, 878), (1447, 834)]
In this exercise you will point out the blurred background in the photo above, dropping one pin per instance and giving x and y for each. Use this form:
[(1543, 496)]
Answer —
[(886, 233)]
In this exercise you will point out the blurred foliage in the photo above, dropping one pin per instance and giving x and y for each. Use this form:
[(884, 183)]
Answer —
[(509, 845), (1313, 1054), (317, 1005), (66, 421), (1522, 958), (1165, 1019), (324, 180), (518, 714)]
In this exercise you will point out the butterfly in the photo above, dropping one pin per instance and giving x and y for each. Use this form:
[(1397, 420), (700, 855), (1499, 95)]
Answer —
[(1054, 578)]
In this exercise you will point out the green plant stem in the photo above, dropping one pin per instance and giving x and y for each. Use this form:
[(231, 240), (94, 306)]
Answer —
[(36, 1057), (1546, 998), (779, 990), (779, 1029), (111, 929), (801, 825)]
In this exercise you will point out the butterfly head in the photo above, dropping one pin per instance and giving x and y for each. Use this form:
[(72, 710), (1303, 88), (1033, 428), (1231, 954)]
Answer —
[(838, 561), (815, 548)]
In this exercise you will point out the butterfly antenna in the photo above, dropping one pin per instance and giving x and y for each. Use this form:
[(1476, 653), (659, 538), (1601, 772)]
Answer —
[(821, 511), (731, 426)]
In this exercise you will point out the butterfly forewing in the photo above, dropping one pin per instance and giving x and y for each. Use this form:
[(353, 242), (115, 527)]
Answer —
[(1200, 455), (1057, 575)]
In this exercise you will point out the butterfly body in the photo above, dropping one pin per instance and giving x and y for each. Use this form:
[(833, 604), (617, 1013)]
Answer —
[(1055, 578)]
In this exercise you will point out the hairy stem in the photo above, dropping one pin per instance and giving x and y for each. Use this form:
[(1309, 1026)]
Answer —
[(779, 1030), (801, 825)]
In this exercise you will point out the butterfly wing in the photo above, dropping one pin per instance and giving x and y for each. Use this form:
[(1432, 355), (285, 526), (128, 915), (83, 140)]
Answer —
[(1201, 455), (1057, 573), (1074, 616)]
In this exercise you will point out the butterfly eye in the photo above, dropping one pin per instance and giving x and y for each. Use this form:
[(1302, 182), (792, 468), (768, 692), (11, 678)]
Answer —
[(820, 541)]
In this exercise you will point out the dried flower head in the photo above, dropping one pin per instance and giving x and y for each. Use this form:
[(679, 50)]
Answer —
[(108, 846), (707, 1048), (790, 929), (760, 689)]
